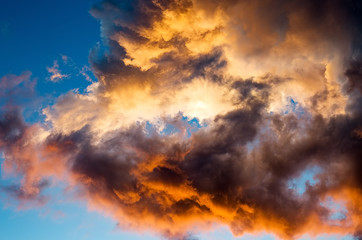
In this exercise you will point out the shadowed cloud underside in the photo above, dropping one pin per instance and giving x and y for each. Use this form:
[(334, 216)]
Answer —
[(203, 113)]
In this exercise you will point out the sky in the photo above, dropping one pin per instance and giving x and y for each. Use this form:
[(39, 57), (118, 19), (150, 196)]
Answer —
[(181, 119)]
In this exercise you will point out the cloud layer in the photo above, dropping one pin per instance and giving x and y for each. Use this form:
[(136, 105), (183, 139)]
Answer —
[(204, 112)]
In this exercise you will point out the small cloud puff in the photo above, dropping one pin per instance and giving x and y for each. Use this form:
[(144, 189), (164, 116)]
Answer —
[(56, 75)]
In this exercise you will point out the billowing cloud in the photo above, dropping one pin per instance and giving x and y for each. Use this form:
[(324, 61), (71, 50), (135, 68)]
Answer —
[(204, 112)]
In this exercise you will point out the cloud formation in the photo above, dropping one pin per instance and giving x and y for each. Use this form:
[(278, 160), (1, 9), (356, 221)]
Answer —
[(273, 87), (56, 75)]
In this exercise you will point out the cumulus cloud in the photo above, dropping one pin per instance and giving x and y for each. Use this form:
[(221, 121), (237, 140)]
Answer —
[(273, 86)]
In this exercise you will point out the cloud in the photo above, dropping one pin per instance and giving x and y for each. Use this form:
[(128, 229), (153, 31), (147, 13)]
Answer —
[(18, 94), (239, 68), (15, 89), (56, 75)]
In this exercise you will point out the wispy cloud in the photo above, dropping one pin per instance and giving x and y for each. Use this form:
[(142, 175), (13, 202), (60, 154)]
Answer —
[(56, 75)]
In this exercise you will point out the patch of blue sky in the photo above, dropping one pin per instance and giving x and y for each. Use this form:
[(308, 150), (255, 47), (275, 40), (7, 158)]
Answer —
[(170, 129), (193, 125), (188, 125), (251, 145), (307, 177), (149, 128), (337, 208), (62, 220), (293, 107), (165, 127)]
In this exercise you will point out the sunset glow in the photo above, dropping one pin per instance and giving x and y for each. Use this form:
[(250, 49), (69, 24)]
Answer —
[(187, 117)]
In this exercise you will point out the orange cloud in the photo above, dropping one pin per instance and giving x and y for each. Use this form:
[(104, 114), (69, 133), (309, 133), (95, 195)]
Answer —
[(268, 88)]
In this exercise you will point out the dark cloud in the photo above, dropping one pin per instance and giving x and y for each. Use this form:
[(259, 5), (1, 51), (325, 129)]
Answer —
[(218, 163), (237, 169), (14, 137), (12, 127), (24, 197), (16, 90)]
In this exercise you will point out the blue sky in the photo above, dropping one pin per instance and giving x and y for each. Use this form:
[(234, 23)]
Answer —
[(34, 35)]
